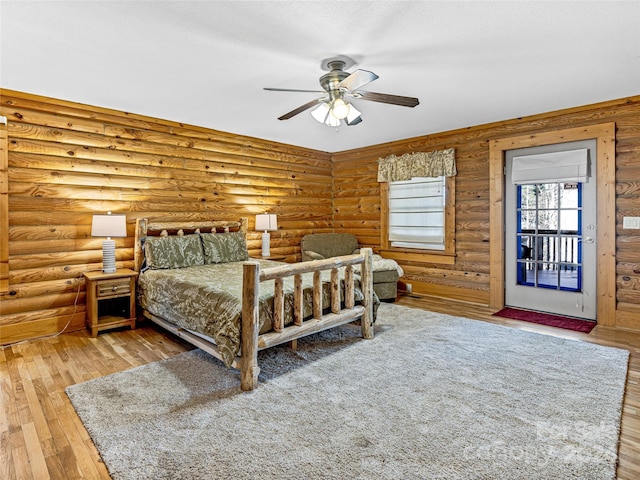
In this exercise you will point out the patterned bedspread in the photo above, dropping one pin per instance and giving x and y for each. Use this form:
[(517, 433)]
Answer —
[(208, 299)]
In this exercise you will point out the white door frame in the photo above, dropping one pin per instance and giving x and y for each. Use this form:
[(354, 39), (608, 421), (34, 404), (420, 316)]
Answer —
[(582, 303), (606, 218)]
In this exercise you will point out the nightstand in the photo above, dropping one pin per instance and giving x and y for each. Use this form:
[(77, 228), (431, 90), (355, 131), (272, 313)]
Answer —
[(111, 300)]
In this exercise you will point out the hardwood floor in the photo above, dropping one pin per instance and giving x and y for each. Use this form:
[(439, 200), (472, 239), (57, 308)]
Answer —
[(42, 437)]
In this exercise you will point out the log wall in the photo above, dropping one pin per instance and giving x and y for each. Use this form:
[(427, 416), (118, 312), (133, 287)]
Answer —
[(68, 161), (357, 201)]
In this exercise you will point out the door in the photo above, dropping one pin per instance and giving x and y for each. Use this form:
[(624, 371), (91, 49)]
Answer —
[(550, 231)]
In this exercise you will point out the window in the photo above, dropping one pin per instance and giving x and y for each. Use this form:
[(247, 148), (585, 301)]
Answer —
[(418, 219), (416, 213)]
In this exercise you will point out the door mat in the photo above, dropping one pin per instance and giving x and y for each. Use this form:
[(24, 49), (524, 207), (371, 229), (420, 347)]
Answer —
[(558, 321)]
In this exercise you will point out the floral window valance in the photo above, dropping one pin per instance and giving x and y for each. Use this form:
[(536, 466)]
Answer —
[(419, 164)]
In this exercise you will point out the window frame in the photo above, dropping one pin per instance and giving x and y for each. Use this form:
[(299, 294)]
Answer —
[(418, 255)]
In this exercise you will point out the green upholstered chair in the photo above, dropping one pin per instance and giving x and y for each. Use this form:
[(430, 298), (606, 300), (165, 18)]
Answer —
[(386, 272)]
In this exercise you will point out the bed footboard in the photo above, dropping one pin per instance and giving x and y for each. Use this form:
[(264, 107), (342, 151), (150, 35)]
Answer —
[(340, 312)]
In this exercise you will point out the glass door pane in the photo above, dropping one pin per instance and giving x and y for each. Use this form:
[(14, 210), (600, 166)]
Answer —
[(549, 236)]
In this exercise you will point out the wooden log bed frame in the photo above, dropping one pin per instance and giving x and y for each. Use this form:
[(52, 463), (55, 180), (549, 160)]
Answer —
[(253, 276)]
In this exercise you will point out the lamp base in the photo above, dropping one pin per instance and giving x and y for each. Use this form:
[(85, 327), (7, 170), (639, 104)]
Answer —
[(108, 256), (266, 244)]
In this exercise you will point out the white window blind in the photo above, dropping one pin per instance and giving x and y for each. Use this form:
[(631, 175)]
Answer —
[(568, 166), (416, 213)]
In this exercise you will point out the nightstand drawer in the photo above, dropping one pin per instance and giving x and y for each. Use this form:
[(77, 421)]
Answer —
[(115, 287)]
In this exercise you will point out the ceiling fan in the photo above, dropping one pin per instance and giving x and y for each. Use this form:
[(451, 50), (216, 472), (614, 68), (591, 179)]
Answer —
[(339, 85)]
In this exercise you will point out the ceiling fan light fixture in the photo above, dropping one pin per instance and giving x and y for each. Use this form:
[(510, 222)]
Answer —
[(332, 121), (353, 118), (340, 109), (321, 113)]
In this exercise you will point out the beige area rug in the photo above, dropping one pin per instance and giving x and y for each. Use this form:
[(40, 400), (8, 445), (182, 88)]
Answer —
[(431, 397)]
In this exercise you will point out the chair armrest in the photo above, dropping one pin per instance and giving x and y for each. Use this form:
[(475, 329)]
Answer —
[(313, 255)]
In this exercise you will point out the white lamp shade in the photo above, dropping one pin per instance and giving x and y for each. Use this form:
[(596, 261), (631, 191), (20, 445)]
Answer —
[(266, 222), (320, 113), (109, 226), (332, 121), (353, 118)]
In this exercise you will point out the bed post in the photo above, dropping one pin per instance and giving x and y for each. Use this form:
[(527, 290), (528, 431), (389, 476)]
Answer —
[(366, 323), (138, 254), (244, 224), (250, 326)]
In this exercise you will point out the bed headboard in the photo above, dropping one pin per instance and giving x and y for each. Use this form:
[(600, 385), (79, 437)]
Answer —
[(146, 228)]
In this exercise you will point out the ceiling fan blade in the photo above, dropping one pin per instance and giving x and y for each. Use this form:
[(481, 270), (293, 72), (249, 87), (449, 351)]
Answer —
[(292, 90), (357, 79), (386, 98), (301, 109)]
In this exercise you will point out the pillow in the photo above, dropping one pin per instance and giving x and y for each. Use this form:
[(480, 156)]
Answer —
[(173, 251), (224, 247)]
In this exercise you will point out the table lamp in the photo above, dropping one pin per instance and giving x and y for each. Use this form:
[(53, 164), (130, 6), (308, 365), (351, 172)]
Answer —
[(109, 226), (266, 222)]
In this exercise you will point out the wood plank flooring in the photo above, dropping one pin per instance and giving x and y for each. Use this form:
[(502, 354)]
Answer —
[(41, 436)]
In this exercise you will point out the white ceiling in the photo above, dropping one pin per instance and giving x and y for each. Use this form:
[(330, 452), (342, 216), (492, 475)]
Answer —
[(205, 62)]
